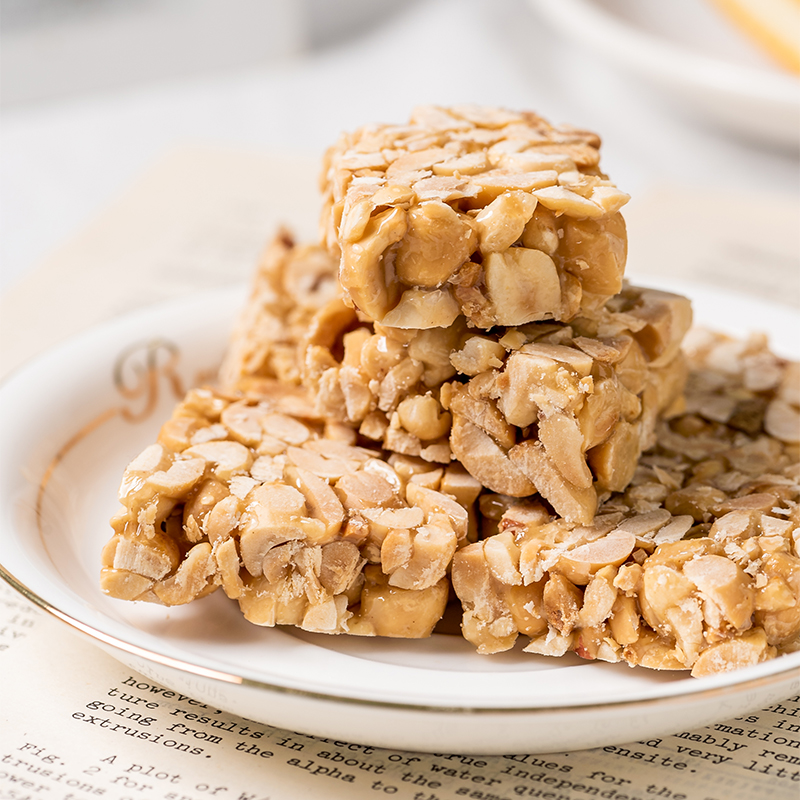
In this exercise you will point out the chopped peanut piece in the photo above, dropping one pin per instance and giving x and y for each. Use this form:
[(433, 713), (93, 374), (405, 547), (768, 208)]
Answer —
[(423, 417), (438, 241), (396, 612), (749, 649), (581, 563), (485, 460), (487, 622), (503, 221), (423, 308), (596, 252), (561, 603), (522, 285), (576, 503)]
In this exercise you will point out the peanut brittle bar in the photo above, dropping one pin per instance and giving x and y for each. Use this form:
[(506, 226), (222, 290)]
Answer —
[(695, 566), (562, 410), (493, 215), (255, 494)]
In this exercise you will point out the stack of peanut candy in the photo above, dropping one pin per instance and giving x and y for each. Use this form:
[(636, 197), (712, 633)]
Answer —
[(467, 406)]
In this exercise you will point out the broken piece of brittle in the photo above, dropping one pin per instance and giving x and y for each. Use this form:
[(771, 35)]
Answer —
[(289, 516), (695, 566), (548, 408), (290, 285), (491, 215)]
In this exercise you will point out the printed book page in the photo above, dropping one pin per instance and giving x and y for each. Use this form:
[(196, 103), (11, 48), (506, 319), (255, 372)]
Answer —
[(76, 724)]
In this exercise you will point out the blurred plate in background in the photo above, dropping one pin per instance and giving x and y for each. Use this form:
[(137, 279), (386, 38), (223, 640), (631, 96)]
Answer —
[(692, 53)]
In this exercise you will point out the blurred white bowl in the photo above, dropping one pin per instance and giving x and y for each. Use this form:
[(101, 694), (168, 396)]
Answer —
[(692, 53)]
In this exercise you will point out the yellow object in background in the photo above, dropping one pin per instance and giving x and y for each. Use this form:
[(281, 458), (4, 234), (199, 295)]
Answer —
[(772, 24)]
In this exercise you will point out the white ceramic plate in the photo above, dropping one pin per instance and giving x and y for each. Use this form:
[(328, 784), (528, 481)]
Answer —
[(71, 420), (687, 49)]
